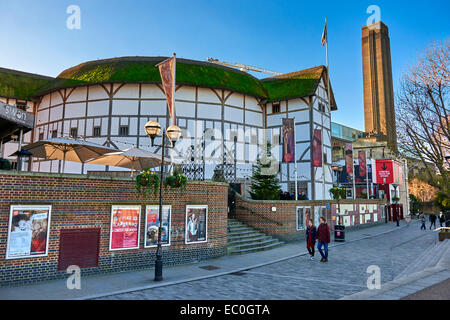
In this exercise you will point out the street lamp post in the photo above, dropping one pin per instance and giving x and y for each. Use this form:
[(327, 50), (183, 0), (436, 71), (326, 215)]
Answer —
[(173, 132)]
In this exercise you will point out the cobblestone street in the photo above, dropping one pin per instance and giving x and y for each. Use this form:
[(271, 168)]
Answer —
[(300, 278)]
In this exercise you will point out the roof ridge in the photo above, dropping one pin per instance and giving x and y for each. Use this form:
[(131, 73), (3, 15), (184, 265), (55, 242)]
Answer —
[(23, 73), (298, 72)]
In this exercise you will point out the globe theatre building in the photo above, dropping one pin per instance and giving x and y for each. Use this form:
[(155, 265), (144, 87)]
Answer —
[(225, 115)]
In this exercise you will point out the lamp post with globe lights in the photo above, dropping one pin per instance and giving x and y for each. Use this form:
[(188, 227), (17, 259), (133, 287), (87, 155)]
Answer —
[(173, 133)]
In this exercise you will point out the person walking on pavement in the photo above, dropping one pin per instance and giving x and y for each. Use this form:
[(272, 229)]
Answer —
[(422, 219), (432, 220), (441, 219), (323, 239), (311, 238)]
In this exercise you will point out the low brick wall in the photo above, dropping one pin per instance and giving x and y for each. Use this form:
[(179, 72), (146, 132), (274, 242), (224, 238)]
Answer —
[(278, 218), (80, 201)]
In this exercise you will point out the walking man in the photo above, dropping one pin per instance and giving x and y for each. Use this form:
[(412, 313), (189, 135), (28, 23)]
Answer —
[(432, 220), (422, 219), (323, 239)]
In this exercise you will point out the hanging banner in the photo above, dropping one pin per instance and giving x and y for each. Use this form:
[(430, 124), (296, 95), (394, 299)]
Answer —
[(317, 148), (167, 72), (124, 232), (28, 231), (152, 226), (362, 164), (196, 224), (349, 159), (288, 140)]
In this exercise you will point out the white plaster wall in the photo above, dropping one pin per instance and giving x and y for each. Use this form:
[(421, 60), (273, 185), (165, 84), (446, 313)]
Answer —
[(97, 108), (152, 91), (74, 110), (79, 94), (97, 92), (207, 95), (127, 91), (125, 107)]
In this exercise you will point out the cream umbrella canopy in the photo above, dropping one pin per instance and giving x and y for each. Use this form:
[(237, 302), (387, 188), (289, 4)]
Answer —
[(67, 149), (132, 158)]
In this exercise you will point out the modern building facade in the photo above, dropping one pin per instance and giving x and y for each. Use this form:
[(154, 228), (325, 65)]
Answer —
[(225, 115)]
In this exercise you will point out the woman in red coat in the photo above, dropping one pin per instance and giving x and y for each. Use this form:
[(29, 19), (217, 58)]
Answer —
[(323, 239)]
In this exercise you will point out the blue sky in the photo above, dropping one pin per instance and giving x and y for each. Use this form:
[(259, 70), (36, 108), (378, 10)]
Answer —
[(280, 35)]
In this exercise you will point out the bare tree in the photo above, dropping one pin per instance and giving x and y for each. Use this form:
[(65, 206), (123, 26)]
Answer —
[(423, 114)]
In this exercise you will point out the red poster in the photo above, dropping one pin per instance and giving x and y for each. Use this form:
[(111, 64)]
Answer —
[(288, 140), (317, 148), (362, 164), (124, 227), (385, 174), (349, 158)]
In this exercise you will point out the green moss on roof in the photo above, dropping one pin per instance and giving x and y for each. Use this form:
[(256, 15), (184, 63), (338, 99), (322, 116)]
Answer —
[(293, 85), (143, 70), (20, 85)]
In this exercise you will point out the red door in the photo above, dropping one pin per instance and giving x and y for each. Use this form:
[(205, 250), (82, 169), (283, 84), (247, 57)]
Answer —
[(79, 247)]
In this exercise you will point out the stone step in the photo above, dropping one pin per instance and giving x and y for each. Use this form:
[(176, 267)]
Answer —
[(241, 233), (237, 228), (256, 249), (257, 237), (428, 259), (245, 236), (253, 244)]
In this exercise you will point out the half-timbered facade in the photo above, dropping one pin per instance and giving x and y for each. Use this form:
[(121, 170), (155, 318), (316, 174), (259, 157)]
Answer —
[(223, 113)]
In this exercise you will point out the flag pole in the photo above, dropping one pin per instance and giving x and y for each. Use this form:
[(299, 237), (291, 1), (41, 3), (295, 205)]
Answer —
[(172, 119), (329, 102), (295, 162)]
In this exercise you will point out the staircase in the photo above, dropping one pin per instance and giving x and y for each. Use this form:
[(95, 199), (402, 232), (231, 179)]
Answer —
[(436, 253), (244, 239)]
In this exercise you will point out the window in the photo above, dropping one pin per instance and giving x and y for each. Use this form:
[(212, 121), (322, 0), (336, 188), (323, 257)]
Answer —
[(41, 135), (123, 131), (73, 132), (276, 108), (321, 107), (22, 105), (54, 133), (96, 132)]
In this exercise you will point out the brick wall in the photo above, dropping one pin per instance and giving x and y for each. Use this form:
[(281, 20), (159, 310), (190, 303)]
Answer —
[(85, 202), (282, 223)]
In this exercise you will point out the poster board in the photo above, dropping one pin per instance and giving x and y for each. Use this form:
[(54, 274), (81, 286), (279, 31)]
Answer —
[(28, 231), (152, 226), (196, 227), (124, 227)]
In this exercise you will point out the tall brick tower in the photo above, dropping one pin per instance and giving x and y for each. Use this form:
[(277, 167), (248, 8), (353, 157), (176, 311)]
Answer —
[(379, 110)]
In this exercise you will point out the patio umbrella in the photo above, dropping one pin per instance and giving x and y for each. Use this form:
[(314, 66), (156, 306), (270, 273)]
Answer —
[(67, 149), (132, 158)]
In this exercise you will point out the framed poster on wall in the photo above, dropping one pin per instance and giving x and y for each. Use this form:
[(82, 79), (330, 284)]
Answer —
[(124, 231), (302, 217), (196, 224), (152, 226), (28, 231)]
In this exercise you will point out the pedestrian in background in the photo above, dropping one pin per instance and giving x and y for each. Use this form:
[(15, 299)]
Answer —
[(323, 239), (432, 220), (311, 233), (441, 219), (423, 220)]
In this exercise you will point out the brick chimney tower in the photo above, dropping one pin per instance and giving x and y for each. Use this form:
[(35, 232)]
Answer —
[(379, 109)]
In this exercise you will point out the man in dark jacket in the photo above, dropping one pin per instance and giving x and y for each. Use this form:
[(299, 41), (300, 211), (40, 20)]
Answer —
[(432, 220), (323, 238)]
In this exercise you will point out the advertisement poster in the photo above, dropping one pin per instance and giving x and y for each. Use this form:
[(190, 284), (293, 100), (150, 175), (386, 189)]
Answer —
[(125, 227), (152, 226), (196, 224), (349, 159), (307, 213), (362, 164), (317, 148), (288, 140), (28, 231)]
